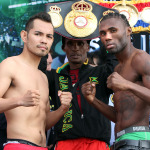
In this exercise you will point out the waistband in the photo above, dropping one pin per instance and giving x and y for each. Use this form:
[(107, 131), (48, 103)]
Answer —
[(136, 143), (21, 142), (133, 129)]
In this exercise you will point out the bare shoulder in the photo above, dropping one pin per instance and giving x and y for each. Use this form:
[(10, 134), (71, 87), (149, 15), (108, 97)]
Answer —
[(141, 61), (10, 60), (8, 64), (139, 55), (7, 73)]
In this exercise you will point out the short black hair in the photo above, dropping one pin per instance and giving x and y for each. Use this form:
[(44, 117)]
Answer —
[(64, 38), (116, 15), (42, 16)]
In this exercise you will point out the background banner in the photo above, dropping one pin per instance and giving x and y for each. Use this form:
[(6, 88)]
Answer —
[(15, 13), (143, 7)]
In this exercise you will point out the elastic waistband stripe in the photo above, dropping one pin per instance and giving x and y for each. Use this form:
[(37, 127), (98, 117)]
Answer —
[(133, 129)]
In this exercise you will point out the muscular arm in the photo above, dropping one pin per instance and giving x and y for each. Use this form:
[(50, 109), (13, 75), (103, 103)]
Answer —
[(140, 91), (106, 110), (54, 116), (7, 71), (5, 81), (89, 90), (141, 65)]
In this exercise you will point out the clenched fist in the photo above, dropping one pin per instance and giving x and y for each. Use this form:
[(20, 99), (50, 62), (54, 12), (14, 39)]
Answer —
[(117, 82), (31, 98), (89, 91), (65, 99)]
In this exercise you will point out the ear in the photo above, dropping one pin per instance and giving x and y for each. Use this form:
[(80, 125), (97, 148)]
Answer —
[(62, 47), (88, 47), (23, 35), (129, 31)]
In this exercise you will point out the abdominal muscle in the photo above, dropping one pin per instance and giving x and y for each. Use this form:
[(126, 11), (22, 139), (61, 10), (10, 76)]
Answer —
[(131, 110), (27, 123)]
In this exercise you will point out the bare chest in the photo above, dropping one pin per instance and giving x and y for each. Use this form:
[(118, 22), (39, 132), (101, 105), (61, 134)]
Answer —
[(27, 79), (127, 100), (128, 72)]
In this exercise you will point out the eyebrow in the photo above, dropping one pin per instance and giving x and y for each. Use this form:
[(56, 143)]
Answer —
[(111, 28), (108, 29), (43, 33)]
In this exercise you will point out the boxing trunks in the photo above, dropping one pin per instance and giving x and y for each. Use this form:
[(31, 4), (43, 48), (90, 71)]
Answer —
[(135, 138), (17, 144), (81, 144)]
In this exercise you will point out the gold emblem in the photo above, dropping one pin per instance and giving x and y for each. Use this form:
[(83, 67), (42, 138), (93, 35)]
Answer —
[(57, 19), (106, 13), (130, 11), (144, 15), (80, 22)]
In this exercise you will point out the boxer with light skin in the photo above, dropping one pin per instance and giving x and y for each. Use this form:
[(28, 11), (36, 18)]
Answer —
[(24, 96)]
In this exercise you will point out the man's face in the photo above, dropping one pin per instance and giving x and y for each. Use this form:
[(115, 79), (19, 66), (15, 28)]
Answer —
[(76, 50), (113, 34), (40, 38), (49, 62)]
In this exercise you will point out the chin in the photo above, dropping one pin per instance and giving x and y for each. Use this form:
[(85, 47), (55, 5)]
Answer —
[(111, 51), (76, 62), (42, 54)]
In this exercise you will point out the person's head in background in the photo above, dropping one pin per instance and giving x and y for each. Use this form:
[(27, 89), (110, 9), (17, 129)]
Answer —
[(49, 61), (98, 57), (90, 58), (38, 35), (46, 61), (76, 51)]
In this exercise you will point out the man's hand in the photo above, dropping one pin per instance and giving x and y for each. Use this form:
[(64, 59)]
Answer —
[(117, 82), (31, 98), (65, 99), (89, 91)]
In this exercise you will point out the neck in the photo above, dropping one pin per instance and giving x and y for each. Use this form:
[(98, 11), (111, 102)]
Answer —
[(30, 59), (125, 53), (75, 66)]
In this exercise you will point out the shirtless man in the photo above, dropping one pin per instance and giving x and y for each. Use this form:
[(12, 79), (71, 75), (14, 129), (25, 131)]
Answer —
[(130, 83), (24, 93)]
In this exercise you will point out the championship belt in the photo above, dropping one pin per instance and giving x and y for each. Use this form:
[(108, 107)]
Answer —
[(130, 11), (57, 19), (80, 22), (76, 19)]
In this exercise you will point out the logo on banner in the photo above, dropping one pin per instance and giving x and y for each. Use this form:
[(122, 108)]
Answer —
[(129, 10), (80, 22), (57, 19)]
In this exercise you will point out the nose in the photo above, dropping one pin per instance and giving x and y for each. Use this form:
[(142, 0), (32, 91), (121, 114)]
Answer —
[(75, 46), (44, 39), (108, 36)]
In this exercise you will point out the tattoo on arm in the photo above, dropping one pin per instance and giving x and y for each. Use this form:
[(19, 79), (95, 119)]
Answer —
[(147, 71), (147, 68)]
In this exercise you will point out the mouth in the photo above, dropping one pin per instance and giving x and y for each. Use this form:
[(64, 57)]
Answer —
[(75, 56), (43, 47), (110, 46)]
